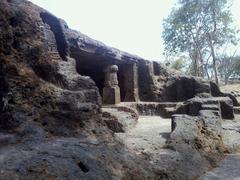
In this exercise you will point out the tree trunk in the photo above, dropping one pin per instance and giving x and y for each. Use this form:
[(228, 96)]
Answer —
[(214, 65), (213, 58), (194, 63), (198, 57), (195, 67), (210, 38), (201, 66), (202, 69), (206, 71), (226, 80)]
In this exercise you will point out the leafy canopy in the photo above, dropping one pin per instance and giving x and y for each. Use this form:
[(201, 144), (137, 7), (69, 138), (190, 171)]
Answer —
[(191, 21)]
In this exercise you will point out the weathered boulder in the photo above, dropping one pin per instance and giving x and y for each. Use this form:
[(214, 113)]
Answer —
[(215, 91), (231, 135), (71, 158), (120, 118), (182, 88), (157, 84), (222, 104), (198, 140)]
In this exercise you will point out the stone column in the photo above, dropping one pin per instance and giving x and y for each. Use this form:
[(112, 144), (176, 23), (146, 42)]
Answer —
[(111, 91), (135, 82), (131, 82)]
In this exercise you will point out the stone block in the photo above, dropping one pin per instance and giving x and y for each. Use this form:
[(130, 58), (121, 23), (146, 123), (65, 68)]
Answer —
[(111, 95)]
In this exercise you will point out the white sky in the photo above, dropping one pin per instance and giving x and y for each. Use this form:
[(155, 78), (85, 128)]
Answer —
[(134, 26)]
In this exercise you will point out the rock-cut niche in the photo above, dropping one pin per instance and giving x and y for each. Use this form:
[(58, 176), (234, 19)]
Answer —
[(56, 28)]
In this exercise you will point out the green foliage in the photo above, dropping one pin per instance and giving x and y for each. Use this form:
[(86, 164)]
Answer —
[(198, 28), (178, 64), (188, 25)]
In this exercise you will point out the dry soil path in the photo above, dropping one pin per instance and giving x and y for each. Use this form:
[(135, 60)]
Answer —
[(148, 135), (228, 169)]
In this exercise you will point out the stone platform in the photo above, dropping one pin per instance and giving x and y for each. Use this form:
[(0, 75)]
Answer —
[(163, 109)]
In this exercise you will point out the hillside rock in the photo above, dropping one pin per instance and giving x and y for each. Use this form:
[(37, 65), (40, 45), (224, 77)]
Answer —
[(222, 105), (51, 121), (198, 140)]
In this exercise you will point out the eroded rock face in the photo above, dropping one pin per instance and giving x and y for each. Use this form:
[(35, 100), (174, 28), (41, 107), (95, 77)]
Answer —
[(50, 118), (182, 88), (198, 140), (215, 91), (36, 87), (156, 84), (120, 118), (51, 122), (221, 105)]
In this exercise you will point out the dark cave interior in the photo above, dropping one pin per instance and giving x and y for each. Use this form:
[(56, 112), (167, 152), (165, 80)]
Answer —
[(94, 68)]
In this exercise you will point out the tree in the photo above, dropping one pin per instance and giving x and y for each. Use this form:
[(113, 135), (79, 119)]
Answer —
[(237, 67), (181, 34), (227, 60), (198, 28), (178, 64), (228, 67)]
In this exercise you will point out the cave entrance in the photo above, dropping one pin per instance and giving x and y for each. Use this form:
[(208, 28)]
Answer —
[(94, 68)]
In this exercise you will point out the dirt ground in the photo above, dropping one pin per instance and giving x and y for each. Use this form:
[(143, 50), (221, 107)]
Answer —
[(230, 87), (233, 89)]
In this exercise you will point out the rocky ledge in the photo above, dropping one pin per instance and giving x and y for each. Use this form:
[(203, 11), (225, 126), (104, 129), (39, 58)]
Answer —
[(52, 121)]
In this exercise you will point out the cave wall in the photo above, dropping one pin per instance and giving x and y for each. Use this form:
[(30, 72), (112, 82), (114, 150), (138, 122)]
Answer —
[(56, 28), (145, 81), (92, 68), (127, 77)]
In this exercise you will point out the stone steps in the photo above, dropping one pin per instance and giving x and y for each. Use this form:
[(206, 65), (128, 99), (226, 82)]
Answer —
[(224, 105), (164, 110), (121, 118), (149, 135), (214, 107)]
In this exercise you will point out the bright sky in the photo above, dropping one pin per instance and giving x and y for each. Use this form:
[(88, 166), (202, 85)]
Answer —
[(134, 26)]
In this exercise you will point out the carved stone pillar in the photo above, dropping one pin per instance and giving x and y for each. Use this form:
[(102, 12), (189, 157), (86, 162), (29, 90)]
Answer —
[(111, 91), (135, 82)]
